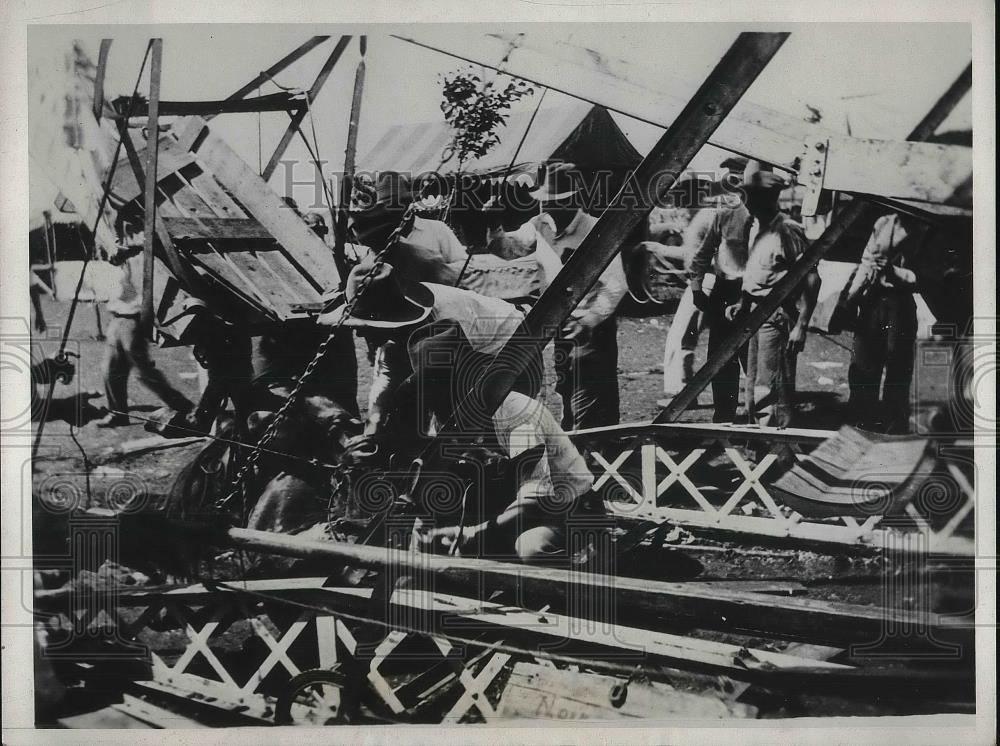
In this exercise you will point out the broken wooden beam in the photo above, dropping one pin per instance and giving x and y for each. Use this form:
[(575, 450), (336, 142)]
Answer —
[(271, 102), (788, 618), (653, 178)]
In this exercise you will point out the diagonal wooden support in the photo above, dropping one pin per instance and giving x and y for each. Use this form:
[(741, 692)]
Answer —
[(297, 117), (611, 472), (475, 689), (277, 67), (199, 644), (278, 648), (859, 214), (654, 177), (678, 473), (751, 481)]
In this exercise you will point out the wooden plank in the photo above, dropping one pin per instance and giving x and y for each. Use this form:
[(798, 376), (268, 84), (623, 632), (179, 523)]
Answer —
[(297, 117), (149, 202), (272, 102), (699, 431), (537, 692), (223, 271), (286, 139), (280, 65), (926, 172), (226, 229), (299, 290), (720, 91), (170, 159), (154, 716), (180, 269), (102, 68), (217, 198), (649, 95), (255, 272), (178, 191), (452, 612), (789, 618), (304, 246)]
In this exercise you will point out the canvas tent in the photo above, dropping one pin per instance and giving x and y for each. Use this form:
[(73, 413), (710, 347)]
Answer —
[(577, 132)]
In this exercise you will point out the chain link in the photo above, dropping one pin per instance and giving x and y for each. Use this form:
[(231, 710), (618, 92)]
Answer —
[(380, 259)]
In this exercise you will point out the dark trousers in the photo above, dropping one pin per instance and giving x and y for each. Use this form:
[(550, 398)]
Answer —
[(587, 377), (127, 348), (884, 342), (726, 384)]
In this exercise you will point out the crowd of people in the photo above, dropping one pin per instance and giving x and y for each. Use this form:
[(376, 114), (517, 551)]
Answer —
[(429, 339)]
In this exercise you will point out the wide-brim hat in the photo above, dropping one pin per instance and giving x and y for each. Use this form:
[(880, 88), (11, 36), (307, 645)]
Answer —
[(757, 178), (559, 182), (388, 302)]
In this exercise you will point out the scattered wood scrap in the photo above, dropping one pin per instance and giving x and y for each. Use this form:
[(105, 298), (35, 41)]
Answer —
[(537, 692)]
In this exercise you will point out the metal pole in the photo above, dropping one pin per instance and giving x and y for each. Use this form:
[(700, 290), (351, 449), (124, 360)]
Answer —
[(347, 178), (860, 212), (654, 177), (152, 150)]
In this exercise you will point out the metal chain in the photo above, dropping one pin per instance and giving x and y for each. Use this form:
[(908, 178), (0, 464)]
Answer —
[(272, 428)]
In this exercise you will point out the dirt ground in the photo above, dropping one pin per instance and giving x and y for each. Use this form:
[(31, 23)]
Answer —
[(821, 386)]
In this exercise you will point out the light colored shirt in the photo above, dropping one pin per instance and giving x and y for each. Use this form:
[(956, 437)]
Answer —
[(774, 248), (723, 247), (430, 253), (527, 241), (560, 477), (125, 295), (434, 239), (602, 300), (881, 262), (487, 322)]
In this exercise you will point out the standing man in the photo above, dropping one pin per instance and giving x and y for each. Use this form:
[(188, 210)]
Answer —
[(776, 243), (126, 346), (689, 320), (723, 249), (587, 345), (886, 331)]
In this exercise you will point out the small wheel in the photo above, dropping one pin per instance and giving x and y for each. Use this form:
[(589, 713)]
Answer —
[(316, 697)]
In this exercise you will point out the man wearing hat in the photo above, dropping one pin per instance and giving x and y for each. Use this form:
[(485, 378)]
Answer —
[(688, 321), (587, 345), (528, 518), (393, 307), (776, 242), (721, 254), (427, 250)]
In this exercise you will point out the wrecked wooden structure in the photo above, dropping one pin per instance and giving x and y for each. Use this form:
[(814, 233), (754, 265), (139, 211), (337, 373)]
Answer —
[(446, 639)]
